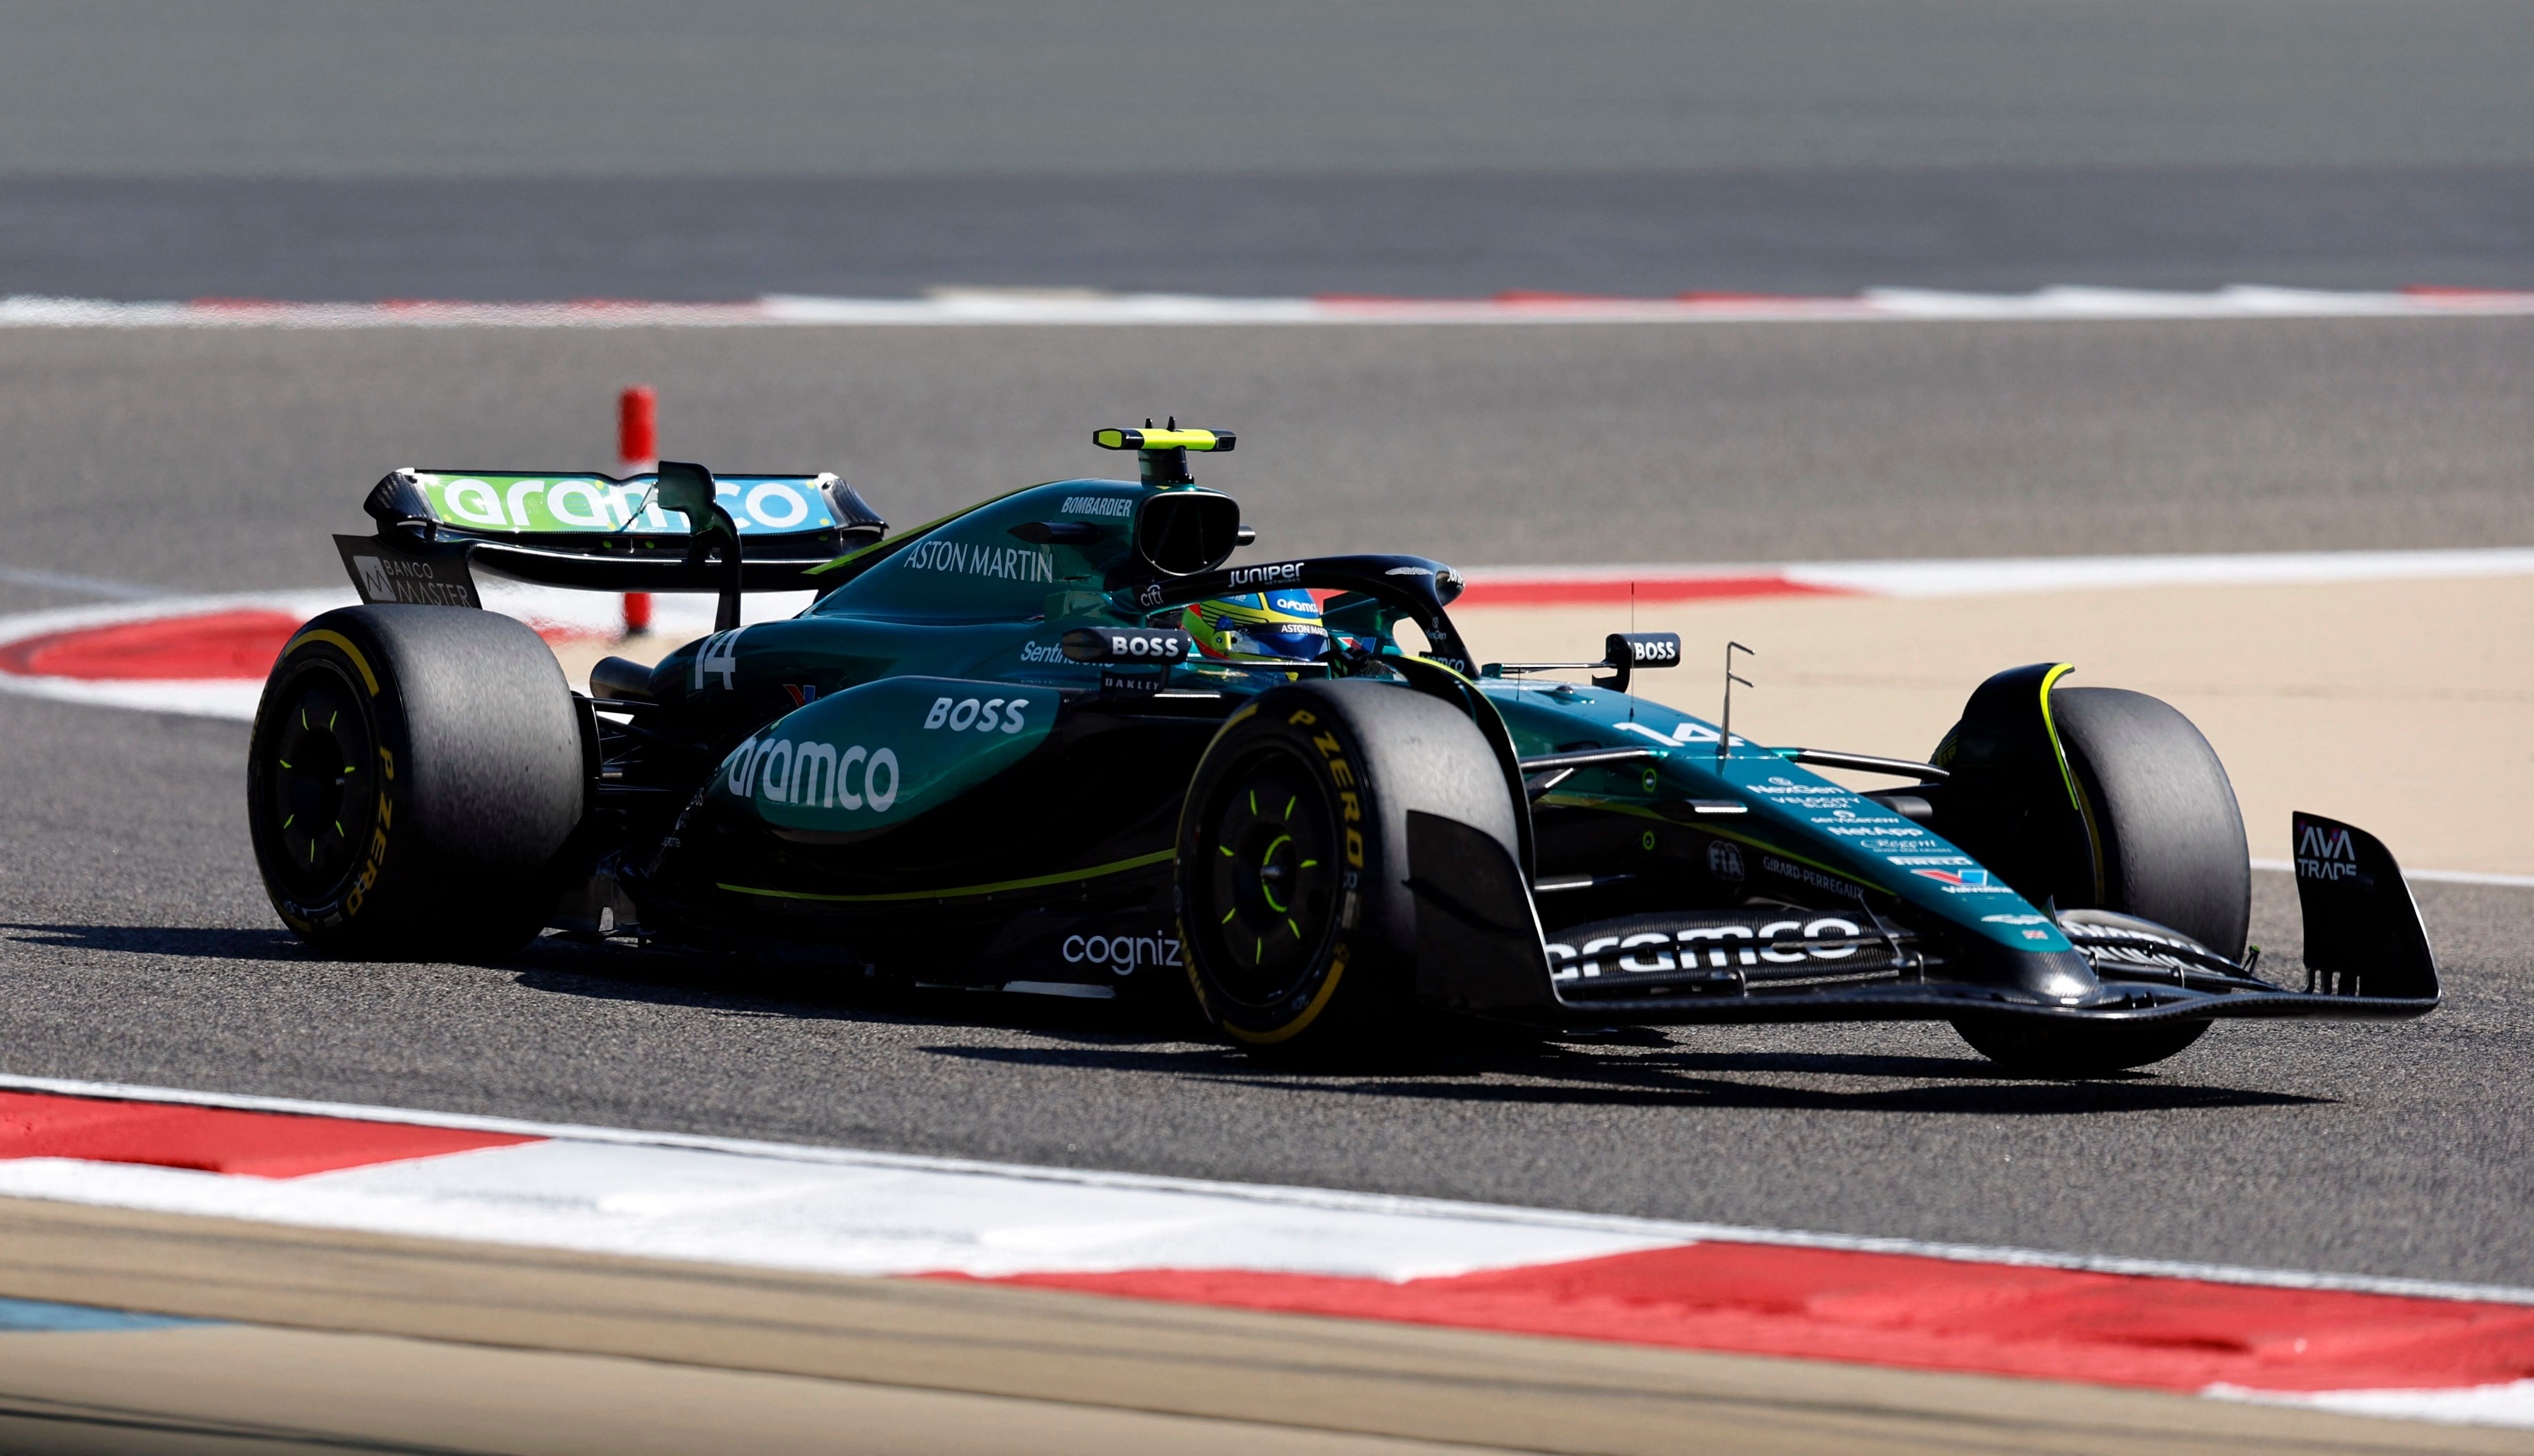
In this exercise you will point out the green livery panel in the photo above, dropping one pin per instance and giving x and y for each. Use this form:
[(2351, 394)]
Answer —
[(873, 757)]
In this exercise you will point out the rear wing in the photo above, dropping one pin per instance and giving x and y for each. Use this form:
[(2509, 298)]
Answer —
[(594, 533)]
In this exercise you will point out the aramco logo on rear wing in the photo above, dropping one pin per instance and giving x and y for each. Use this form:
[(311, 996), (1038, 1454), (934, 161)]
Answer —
[(2326, 854)]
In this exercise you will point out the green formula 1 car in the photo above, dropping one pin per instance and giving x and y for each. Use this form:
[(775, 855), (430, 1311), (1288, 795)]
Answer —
[(1054, 742)]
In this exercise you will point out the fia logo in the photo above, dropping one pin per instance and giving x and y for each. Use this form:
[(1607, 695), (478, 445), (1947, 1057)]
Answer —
[(1723, 860)]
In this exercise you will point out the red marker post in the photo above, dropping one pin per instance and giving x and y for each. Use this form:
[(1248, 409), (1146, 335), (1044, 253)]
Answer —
[(638, 449)]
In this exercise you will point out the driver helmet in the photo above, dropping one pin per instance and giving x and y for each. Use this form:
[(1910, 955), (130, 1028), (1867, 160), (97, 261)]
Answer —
[(1260, 627)]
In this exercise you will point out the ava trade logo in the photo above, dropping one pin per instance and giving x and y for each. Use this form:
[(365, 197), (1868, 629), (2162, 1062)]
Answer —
[(1963, 881), (2326, 853)]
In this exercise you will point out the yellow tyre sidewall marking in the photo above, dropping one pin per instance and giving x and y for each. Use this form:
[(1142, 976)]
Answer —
[(341, 643)]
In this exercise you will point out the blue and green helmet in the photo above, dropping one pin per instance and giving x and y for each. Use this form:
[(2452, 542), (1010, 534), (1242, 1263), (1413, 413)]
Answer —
[(1260, 627)]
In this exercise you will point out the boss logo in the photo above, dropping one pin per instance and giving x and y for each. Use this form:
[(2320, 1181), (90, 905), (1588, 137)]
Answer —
[(967, 714), (1649, 648), (1128, 644)]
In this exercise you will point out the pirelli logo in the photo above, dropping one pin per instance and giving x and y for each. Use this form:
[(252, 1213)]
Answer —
[(1342, 775)]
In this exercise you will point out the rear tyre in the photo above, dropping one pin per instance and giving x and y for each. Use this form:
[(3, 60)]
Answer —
[(2169, 840), (1297, 920), (411, 776)]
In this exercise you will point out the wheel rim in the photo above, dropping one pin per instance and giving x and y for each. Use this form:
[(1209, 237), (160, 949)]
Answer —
[(1268, 892), (320, 781)]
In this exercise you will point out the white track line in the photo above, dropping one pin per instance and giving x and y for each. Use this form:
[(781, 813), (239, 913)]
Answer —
[(83, 586), (679, 616), (2484, 1405), (1995, 575), (1468, 1218), (990, 306)]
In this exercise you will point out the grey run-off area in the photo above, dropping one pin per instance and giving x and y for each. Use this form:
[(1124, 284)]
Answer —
[(208, 461)]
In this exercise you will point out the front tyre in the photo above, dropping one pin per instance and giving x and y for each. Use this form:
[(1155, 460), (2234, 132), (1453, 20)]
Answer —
[(1295, 911), (2075, 1050), (410, 777), (2168, 842)]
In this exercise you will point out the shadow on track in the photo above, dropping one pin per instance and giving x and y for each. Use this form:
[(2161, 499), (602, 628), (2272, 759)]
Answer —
[(190, 943), (738, 986), (1503, 1074), (1625, 1068)]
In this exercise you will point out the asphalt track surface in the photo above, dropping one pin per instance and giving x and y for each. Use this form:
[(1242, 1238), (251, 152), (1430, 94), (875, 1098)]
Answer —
[(136, 945), (1186, 96), (206, 460), (1637, 233), (471, 149)]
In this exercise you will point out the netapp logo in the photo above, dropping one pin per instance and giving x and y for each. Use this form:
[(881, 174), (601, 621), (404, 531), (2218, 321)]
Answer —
[(1099, 505)]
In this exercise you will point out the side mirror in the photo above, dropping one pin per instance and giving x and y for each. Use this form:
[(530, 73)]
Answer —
[(687, 489), (1182, 532)]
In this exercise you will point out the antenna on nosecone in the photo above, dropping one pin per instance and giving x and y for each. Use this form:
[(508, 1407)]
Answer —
[(1725, 734), (1632, 626)]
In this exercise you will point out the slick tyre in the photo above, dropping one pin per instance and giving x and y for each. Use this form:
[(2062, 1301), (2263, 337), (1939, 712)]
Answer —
[(411, 774), (2172, 851), (2050, 1050), (1298, 922)]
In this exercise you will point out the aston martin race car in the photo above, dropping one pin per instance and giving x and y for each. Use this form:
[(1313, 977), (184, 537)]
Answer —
[(1058, 743)]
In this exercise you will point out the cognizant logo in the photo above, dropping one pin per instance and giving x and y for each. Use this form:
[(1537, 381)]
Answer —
[(1122, 954)]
